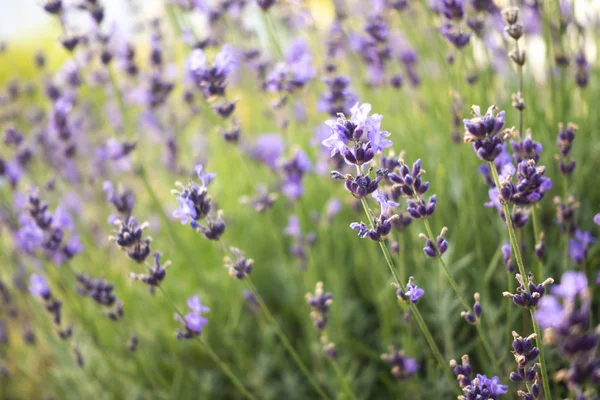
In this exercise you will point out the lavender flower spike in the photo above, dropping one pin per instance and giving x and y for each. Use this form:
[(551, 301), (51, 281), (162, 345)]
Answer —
[(38, 286), (412, 294), (193, 321), (359, 138)]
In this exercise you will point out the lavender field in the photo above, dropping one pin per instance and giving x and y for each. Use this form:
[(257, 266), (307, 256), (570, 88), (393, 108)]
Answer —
[(300, 199)]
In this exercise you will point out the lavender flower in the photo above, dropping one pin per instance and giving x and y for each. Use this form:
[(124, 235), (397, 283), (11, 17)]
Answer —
[(193, 321), (484, 132), (479, 388), (525, 354), (214, 227), (262, 202), (101, 292), (339, 98), (361, 131), (439, 248), (565, 314), (156, 273), (528, 294), (473, 316), (455, 35), (582, 70), (597, 219), (268, 148), (403, 367), (410, 183), (38, 287), (578, 246), (412, 293), (320, 303), (360, 185), (194, 201), (294, 170), (123, 200), (211, 80), (526, 149), (506, 254), (382, 226), (239, 266), (531, 184), (564, 142), (294, 72), (130, 239)]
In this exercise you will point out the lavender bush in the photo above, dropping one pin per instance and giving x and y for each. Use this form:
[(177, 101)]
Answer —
[(268, 199)]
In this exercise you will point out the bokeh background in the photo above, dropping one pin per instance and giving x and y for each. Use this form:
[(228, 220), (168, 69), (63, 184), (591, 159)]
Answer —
[(364, 318)]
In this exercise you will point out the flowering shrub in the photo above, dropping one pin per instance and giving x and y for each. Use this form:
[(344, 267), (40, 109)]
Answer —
[(284, 130)]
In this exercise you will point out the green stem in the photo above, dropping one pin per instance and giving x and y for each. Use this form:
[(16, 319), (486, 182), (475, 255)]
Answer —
[(538, 340), (536, 234), (224, 367), (519, 259), (415, 311), (284, 339), (482, 337), (342, 377)]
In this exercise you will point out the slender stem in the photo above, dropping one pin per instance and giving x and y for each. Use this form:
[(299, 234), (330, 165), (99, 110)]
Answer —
[(420, 321), (415, 311), (445, 268), (224, 367), (520, 91), (538, 340), (482, 337), (536, 234), (342, 378), (284, 339), (519, 259)]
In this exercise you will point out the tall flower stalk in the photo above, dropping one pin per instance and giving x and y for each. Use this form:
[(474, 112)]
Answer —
[(357, 140), (486, 135), (196, 209), (413, 308)]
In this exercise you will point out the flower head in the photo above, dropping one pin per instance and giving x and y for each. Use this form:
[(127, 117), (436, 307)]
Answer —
[(193, 321), (357, 135), (403, 367), (38, 286)]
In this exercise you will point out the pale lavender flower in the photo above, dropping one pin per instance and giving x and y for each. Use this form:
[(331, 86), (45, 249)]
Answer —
[(578, 246), (193, 321), (205, 178), (38, 286), (549, 312), (360, 129), (268, 148), (293, 227), (382, 199), (572, 284), (597, 219)]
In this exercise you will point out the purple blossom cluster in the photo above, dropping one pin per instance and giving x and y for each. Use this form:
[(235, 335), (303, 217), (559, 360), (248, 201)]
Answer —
[(319, 302), (565, 314), (102, 292), (478, 387), (38, 287), (91, 126), (403, 367), (193, 322), (51, 233)]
